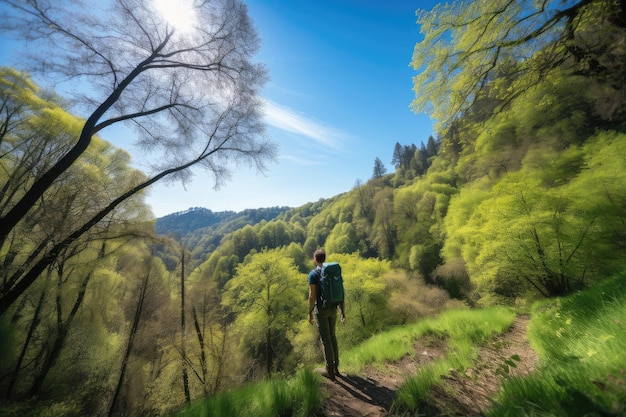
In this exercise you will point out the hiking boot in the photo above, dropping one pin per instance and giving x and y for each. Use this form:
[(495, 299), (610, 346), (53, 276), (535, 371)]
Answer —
[(337, 374), (330, 373)]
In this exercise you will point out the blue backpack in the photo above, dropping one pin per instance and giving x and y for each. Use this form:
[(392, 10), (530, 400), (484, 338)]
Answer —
[(331, 284)]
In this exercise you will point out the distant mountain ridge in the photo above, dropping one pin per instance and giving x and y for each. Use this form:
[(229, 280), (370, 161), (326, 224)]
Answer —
[(184, 223)]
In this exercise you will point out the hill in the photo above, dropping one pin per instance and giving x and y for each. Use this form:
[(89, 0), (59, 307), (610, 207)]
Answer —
[(186, 222), (372, 392)]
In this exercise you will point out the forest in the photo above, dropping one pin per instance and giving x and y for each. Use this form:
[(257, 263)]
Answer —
[(104, 310)]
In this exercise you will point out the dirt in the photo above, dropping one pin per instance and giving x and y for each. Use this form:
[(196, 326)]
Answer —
[(372, 392)]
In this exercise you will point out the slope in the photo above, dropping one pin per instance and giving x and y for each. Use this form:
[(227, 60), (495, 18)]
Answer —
[(371, 393)]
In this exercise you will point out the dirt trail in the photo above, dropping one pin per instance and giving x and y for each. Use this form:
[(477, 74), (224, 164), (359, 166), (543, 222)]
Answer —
[(371, 393)]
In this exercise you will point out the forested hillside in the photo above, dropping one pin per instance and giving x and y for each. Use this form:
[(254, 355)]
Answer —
[(202, 230), (106, 311)]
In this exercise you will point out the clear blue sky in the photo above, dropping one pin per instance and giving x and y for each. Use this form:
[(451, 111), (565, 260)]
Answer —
[(338, 98)]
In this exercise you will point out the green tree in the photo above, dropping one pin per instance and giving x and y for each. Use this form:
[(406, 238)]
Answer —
[(379, 168), (212, 346), (367, 308), (383, 233), (397, 155), (509, 46), (342, 239), (543, 229), (192, 96), (265, 297)]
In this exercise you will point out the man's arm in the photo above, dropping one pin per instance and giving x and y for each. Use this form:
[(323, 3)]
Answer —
[(312, 297)]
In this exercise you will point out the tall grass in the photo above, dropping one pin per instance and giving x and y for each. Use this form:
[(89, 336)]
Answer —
[(417, 387), (581, 340), (298, 396)]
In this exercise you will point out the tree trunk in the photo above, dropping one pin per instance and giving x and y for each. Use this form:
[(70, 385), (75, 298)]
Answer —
[(63, 328), (131, 339), (31, 330), (268, 337), (203, 364), (182, 333)]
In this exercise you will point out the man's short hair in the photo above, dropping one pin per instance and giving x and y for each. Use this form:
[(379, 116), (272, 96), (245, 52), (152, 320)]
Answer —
[(320, 255)]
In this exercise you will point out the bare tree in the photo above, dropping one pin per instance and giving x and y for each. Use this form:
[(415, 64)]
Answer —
[(191, 95)]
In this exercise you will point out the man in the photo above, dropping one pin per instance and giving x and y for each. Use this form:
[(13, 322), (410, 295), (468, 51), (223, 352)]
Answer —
[(325, 318)]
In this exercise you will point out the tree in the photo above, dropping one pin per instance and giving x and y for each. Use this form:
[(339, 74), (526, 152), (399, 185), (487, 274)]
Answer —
[(431, 147), (132, 334), (266, 299), (397, 155), (509, 46), (383, 232), (366, 296), (379, 168), (191, 95), (342, 239), (183, 329), (402, 155), (547, 229)]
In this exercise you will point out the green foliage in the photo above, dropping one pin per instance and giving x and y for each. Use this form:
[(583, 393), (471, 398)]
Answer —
[(298, 396), (46, 409), (475, 57), (367, 308), (580, 340), (539, 229), (342, 239), (411, 299), (522, 195), (265, 299)]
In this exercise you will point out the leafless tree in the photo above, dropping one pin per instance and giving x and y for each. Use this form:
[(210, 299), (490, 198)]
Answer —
[(191, 95)]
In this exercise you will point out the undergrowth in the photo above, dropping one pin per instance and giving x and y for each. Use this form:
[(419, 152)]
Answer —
[(580, 340), (298, 396)]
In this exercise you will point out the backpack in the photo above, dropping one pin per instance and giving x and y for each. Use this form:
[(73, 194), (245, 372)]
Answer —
[(331, 284)]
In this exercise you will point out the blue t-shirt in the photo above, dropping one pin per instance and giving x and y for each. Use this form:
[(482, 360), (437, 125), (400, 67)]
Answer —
[(314, 279)]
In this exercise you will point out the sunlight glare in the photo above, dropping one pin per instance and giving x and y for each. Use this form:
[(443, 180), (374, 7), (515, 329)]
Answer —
[(178, 13)]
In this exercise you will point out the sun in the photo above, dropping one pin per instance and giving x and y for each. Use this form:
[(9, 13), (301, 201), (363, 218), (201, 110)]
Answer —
[(178, 13)]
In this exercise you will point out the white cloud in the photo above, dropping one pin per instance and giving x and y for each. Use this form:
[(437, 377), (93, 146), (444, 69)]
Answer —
[(290, 121), (297, 160)]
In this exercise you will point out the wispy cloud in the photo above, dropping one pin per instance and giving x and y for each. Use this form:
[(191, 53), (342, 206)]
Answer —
[(288, 120), (299, 161)]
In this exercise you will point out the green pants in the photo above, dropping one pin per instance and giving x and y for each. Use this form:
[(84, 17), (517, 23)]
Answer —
[(326, 320)]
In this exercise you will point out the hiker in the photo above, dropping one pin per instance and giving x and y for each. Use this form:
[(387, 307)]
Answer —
[(325, 318)]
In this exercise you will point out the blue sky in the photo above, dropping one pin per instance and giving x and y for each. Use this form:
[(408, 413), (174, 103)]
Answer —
[(338, 98)]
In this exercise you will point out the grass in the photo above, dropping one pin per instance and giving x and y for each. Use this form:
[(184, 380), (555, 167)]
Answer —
[(297, 396), (300, 395), (465, 331), (458, 327), (581, 340)]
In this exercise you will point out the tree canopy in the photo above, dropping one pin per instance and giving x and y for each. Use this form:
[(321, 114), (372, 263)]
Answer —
[(192, 97), (480, 55)]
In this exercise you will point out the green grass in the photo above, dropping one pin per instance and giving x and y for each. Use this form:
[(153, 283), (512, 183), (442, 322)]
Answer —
[(465, 331), (458, 327), (298, 396), (581, 340)]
